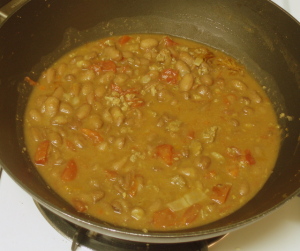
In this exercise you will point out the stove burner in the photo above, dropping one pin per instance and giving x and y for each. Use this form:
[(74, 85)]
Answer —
[(94, 241)]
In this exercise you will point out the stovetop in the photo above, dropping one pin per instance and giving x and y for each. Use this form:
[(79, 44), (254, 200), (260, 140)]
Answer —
[(22, 226)]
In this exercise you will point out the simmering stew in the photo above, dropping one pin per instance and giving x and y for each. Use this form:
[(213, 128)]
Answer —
[(151, 132)]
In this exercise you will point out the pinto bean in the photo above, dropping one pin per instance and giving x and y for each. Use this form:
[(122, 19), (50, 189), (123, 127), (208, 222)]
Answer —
[(255, 97), (62, 69), (137, 213), (117, 115), (84, 64), (186, 82), (94, 121), (87, 75), (97, 196), (107, 117), (51, 106), (102, 146), (120, 206), (182, 67), (83, 111), (148, 43), (70, 77)]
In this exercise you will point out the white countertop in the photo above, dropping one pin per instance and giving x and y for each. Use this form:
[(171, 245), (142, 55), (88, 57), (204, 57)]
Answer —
[(22, 227)]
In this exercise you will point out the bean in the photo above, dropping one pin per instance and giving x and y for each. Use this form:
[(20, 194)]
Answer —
[(107, 77), (164, 95), (203, 162), (120, 142), (40, 101), (204, 91), (112, 53), (50, 75), (117, 115), (70, 77), (90, 98), (120, 163), (137, 213), (87, 88), (84, 64), (51, 106), (186, 82), (255, 97), (79, 141), (187, 58), (188, 171), (97, 196), (37, 134), (245, 100), (182, 67), (59, 120), (107, 117), (164, 56), (206, 79), (94, 182), (91, 55), (75, 89), (148, 43), (83, 111), (65, 108), (102, 146), (120, 78), (55, 139), (59, 92), (238, 85), (35, 115), (120, 206), (100, 91), (87, 75), (248, 110), (62, 69), (94, 121)]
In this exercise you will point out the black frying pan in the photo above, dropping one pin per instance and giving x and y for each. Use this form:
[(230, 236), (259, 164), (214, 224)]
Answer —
[(257, 33)]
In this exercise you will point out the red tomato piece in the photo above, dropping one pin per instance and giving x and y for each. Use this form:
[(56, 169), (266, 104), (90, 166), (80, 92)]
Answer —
[(41, 153), (70, 172), (220, 193), (191, 214), (92, 135), (167, 41), (124, 39), (166, 153), (109, 65), (170, 76), (249, 157)]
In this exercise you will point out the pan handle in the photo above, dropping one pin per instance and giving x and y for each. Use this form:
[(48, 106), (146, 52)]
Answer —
[(10, 8)]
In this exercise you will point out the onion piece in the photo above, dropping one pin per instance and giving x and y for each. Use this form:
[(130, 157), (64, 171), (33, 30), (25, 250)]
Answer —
[(186, 201)]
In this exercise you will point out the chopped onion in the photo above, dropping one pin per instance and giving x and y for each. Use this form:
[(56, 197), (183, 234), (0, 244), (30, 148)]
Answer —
[(187, 200)]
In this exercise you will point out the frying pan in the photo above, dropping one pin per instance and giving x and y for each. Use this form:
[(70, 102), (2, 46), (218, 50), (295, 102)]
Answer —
[(257, 33)]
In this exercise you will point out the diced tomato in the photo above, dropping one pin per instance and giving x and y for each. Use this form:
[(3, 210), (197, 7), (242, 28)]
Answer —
[(41, 153), (30, 81), (103, 66), (164, 218), (166, 153), (109, 65), (220, 193), (167, 41), (124, 39), (70, 172), (249, 157), (190, 214), (170, 76), (92, 135)]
